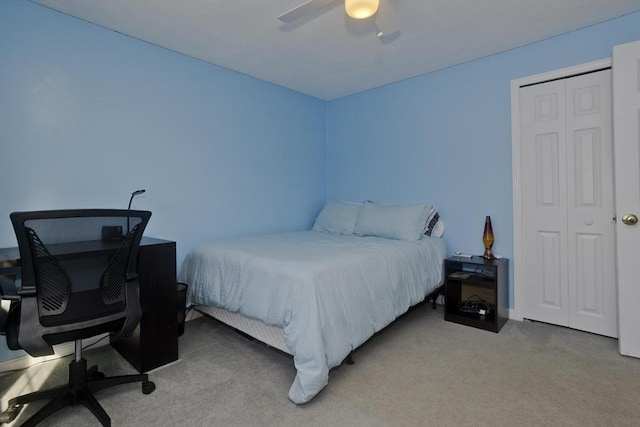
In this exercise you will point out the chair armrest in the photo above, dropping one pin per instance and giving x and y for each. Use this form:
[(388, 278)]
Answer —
[(8, 288), (8, 292)]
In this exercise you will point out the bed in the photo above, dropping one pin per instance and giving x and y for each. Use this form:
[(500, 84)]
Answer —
[(319, 294)]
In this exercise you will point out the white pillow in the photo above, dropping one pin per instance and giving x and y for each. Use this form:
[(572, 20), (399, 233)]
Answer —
[(393, 222), (434, 225), (337, 217)]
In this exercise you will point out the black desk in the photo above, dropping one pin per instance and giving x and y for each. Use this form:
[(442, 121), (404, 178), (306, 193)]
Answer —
[(155, 340)]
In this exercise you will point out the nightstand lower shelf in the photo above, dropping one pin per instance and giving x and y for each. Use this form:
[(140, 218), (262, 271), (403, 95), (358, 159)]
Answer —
[(486, 322)]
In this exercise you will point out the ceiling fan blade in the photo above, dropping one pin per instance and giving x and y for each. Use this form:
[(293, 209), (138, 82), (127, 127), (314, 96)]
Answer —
[(302, 10), (385, 19)]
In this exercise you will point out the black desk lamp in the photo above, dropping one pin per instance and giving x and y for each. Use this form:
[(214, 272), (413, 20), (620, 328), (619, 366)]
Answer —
[(134, 194)]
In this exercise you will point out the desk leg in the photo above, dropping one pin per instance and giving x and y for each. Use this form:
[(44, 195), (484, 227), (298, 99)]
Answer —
[(155, 341)]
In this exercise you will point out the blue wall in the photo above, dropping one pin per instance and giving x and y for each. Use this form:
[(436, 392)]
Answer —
[(88, 115), (445, 137)]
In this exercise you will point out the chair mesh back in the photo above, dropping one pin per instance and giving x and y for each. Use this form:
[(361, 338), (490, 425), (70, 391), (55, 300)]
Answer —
[(77, 275), (55, 285), (72, 269), (114, 277)]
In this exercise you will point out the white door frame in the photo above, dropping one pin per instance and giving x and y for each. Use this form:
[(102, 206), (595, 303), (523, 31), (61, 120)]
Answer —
[(516, 312)]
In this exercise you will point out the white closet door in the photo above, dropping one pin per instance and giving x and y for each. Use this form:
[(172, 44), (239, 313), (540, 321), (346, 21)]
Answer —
[(626, 107), (591, 227), (567, 203), (544, 202)]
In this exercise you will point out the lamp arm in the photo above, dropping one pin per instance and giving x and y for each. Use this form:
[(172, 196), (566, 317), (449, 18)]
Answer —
[(134, 194)]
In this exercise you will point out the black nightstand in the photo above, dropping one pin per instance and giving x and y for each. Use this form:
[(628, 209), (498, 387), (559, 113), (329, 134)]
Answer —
[(472, 280)]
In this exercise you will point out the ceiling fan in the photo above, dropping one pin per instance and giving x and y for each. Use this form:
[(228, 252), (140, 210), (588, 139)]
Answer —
[(356, 9)]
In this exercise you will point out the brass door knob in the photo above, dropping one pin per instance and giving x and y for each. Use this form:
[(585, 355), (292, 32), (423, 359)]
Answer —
[(630, 219)]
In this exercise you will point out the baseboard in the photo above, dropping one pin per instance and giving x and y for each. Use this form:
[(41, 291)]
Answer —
[(513, 316), (62, 350)]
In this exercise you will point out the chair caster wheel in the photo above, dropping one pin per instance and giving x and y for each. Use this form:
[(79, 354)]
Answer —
[(10, 414), (148, 387)]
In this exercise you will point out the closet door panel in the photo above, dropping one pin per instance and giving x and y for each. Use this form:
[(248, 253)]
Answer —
[(590, 207), (544, 182)]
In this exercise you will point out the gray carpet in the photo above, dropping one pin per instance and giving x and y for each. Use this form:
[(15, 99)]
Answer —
[(420, 371)]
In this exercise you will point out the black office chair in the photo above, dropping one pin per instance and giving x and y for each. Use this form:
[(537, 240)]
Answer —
[(78, 280)]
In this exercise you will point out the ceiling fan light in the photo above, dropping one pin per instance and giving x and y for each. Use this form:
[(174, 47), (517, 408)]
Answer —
[(361, 9)]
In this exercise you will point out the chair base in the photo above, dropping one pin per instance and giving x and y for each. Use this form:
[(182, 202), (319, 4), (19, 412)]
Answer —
[(83, 383)]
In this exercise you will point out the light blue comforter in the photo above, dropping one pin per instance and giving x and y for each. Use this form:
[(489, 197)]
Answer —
[(329, 293)]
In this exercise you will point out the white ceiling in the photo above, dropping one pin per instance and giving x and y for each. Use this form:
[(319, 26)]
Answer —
[(328, 55)]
